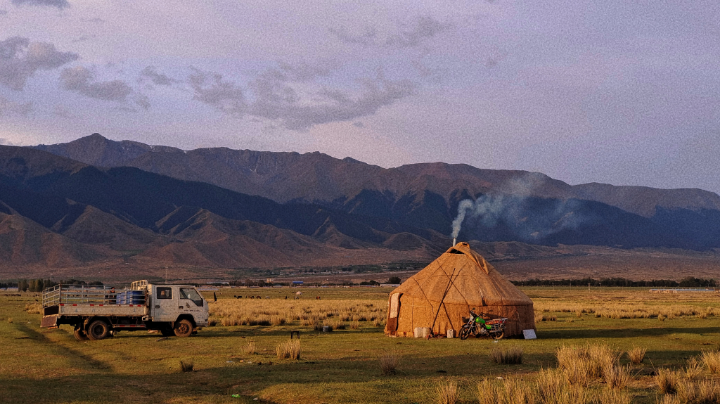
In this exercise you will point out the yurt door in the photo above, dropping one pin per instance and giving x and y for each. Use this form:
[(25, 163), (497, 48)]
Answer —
[(392, 324)]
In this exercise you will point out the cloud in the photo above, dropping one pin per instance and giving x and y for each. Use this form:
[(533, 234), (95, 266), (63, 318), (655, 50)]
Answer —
[(211, 89), (62, 112), (333, 105), (51, 3), (367, 38), (3, 12), (273, 95), (20, 59), (421, 30), (424, 28), (142, 100), (303, 71), (84, 38), (7, 106), (160, 79), (81, 80)]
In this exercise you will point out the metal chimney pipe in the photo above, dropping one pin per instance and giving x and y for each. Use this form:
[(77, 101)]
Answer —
[(454, 242)]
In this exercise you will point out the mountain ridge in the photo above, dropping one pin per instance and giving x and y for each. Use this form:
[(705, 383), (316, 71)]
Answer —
[(319, 178), (130, 206)]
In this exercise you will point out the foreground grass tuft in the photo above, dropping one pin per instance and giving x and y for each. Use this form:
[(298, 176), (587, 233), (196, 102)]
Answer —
[(447, 392), (512, 356), (250, 348), (711, 360), (667, 381), (288, 350), (636, 355), (389, 362), (187, 366)]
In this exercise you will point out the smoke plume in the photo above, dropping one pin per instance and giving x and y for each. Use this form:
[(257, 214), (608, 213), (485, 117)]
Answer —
[(517, 212)]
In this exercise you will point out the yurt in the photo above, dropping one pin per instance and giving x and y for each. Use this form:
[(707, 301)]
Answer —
[(442, 294)]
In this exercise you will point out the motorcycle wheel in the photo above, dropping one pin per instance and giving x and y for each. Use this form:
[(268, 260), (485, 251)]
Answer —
[(464, 333), (499, 334)]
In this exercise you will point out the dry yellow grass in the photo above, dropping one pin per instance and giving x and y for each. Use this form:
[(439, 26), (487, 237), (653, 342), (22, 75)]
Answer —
[(626, 310), (636, 355), (34, 308), (616, 377), (275, 312), (250, 348), (447, 392), (711, 360), (511, 356), (706, 391), (288, 350), (667, 381), (611, 396), (694, 369), (583, 364)]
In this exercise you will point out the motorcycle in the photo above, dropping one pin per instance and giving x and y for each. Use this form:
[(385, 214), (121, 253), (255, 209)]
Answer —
[(477, 326)]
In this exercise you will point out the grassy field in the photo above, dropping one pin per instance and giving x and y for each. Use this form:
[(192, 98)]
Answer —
[(235, 363)]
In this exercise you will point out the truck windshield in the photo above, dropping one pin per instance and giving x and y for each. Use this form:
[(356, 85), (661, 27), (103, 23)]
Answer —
[(192, 294)]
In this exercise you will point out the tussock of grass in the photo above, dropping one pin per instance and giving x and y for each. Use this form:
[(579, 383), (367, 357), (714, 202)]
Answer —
[(250, 348), (34, 308), (447, 392), (288, 350), (667, 381), (616, 377), (10, 320), (612, 396), (551, 384), (704, 392), (389, 361), (694, 369), (512, 356), (583, 364), (711, 360), (636, 355), (187, 366)]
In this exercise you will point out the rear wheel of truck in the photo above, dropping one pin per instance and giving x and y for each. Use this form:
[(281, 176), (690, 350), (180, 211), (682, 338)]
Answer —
[(98, 330), (80, 334), (183, 328)]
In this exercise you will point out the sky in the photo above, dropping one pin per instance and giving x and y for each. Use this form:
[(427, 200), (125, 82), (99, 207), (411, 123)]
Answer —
[(619, 92)]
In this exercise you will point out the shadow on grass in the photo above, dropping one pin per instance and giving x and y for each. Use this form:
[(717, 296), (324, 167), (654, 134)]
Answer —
[(76, 358)]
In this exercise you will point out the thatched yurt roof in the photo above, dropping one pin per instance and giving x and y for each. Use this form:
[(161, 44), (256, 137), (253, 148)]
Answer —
[(441, 294)]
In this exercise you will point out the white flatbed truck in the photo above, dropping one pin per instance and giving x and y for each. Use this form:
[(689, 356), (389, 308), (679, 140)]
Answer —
[(99, 312)]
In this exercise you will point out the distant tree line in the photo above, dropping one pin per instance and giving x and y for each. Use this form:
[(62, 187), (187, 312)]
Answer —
[(38, 285), (688, 282)]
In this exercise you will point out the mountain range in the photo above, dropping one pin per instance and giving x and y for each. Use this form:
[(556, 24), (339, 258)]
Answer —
[(98, 203)]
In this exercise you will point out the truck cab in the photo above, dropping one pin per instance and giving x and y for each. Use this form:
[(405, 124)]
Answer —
[(169, 303)]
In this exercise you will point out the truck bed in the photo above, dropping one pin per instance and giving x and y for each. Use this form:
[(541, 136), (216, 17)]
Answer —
[(65, 301)]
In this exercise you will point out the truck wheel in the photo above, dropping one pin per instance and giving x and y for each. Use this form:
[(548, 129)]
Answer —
[(98, 330), (183, 328), (80, 334)]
